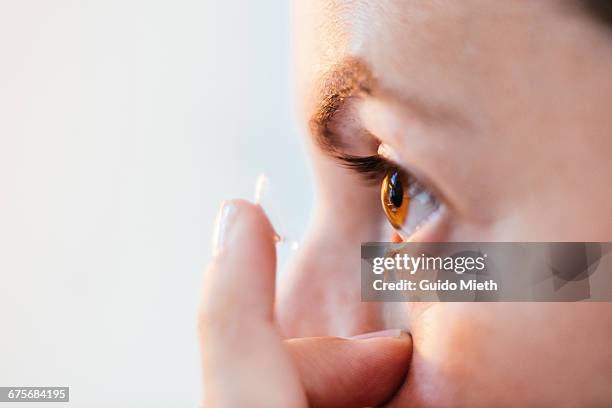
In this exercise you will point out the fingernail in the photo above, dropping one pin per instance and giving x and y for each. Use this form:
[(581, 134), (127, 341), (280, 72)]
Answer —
[(222, 225), (382, 333)]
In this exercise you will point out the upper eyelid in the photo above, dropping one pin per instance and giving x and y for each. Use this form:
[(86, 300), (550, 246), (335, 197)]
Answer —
[(387, 152), (374, 168)]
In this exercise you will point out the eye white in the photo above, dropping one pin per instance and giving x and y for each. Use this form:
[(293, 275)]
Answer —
[(422, 208)]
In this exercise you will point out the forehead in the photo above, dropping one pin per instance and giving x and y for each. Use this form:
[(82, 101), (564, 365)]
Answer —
[(446, 47)]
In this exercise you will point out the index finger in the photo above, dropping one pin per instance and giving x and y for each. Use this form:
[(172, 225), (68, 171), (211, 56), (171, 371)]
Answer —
[(243, 356)]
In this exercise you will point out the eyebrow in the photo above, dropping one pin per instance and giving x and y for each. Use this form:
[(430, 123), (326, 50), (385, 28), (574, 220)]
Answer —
[(351, 77)]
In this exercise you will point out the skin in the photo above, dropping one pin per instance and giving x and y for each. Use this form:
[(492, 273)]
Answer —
[(503, 108), (245, 359)]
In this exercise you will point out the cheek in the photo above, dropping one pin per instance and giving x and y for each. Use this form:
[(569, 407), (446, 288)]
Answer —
[(455, 353), (479, 355)]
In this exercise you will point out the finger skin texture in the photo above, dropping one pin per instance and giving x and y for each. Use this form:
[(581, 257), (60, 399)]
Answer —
[(244, 360), (338, 372)]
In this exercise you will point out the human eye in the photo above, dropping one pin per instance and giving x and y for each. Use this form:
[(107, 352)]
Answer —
[(408, 204)]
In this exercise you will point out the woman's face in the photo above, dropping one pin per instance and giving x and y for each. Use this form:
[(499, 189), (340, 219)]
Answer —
[(501, 111)]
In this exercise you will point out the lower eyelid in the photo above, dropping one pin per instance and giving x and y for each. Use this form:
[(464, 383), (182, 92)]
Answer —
[(430, 218)]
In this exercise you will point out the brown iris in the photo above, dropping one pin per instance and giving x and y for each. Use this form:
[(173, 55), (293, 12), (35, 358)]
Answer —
[(394, 198)]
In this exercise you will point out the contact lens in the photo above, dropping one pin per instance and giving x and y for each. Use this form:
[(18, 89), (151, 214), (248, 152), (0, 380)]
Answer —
[(262, 193)]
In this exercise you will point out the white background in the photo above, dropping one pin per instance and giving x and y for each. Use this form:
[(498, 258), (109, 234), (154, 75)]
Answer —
[(123, 124)]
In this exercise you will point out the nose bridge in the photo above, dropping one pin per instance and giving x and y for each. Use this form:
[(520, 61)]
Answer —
[(321, 291)]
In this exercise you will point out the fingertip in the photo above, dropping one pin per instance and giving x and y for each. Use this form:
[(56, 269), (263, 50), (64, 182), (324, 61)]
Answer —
[(351, 372), (393, 353), (239, 221), (240, 277)]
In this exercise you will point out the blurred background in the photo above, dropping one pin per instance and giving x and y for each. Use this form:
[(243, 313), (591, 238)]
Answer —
[(123, 124)]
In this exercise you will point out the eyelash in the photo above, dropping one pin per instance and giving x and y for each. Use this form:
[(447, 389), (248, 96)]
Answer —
[(373, 168)]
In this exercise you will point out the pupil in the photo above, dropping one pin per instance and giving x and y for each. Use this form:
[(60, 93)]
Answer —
[(396, 192)]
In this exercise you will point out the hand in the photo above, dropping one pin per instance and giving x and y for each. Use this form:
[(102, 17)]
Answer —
[(246, 363)]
